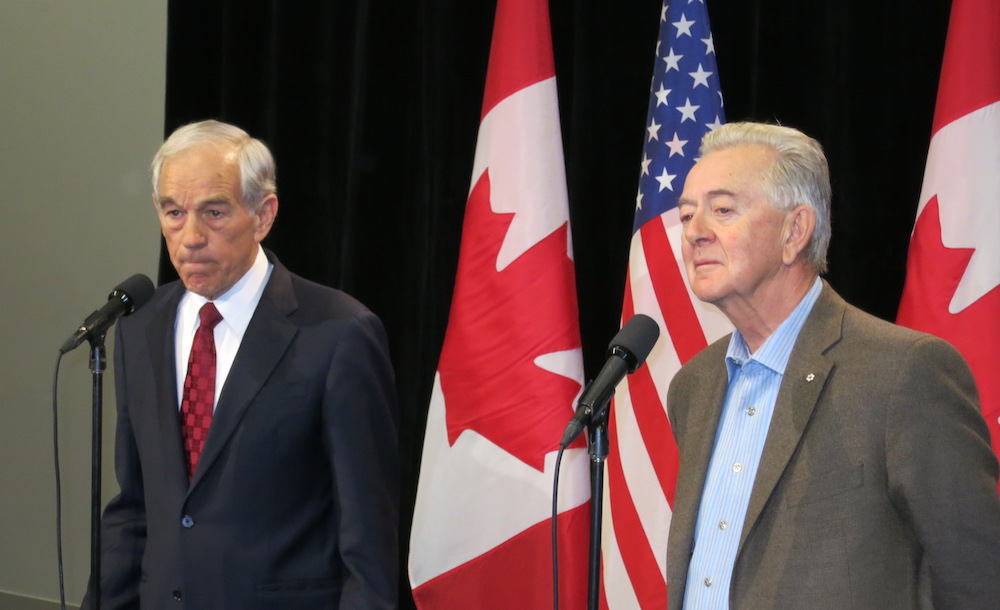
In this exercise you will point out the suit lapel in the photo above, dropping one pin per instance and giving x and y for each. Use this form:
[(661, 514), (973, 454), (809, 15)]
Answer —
[(700, 436), (806, 375), (264, 344), (161, 349), (702, 421)]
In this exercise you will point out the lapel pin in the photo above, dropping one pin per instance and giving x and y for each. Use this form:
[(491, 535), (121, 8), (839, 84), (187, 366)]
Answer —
[(810, 377)]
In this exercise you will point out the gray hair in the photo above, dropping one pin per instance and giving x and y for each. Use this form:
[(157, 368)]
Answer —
[(801, 174), (257, 174)]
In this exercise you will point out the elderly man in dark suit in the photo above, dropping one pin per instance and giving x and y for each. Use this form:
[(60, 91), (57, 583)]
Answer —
[(256, 445), (828, 459)]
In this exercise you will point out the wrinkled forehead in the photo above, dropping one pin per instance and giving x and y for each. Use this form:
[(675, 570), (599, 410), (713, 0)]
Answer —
[(200, 169)]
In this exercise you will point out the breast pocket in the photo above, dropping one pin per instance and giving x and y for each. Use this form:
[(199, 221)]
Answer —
[(299, 595), (285, 393), (810, 490)]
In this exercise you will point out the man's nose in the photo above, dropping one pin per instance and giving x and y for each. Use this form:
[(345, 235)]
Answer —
[(696, 229), (193, 233)]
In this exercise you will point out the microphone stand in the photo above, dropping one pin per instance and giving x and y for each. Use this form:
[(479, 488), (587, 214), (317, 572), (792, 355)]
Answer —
[(597, 432), (97, 366)]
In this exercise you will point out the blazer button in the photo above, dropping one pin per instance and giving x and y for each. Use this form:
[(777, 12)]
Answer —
[(187, 521), (177, 595)]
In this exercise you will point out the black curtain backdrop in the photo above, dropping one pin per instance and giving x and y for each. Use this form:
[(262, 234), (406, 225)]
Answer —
[(371, 109)]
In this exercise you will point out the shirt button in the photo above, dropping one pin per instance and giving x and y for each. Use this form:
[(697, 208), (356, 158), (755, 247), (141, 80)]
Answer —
[(177, 595), (723, 524), (708, 581), (751, 410), (187, 521), (737, 467)]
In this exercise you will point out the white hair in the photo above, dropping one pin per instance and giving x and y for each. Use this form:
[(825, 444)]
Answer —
[(257, 174)]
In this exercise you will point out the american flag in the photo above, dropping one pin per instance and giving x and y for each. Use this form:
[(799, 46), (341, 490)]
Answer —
[(685, 103)]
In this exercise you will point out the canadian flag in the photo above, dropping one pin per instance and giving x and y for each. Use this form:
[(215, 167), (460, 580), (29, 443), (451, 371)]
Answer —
[(511, 366), (953, 270)]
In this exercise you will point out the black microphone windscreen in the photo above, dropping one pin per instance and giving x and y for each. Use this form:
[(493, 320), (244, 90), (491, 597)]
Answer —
[(637, 337), (136, 291)]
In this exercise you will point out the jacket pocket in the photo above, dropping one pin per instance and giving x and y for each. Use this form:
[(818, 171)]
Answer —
[(299, 595), (827, 485)]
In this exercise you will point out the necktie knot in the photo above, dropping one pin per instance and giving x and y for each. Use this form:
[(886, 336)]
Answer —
[(209, 315)]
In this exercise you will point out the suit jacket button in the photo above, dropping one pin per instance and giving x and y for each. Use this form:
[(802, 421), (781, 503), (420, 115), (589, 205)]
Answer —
[(187, 521), (177, 595)]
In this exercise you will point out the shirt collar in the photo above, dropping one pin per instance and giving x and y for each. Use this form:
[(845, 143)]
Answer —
[(777, 348)]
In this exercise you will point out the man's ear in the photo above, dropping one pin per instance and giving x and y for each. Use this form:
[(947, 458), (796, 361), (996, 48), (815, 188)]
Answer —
[(264, 218), (799, 227)]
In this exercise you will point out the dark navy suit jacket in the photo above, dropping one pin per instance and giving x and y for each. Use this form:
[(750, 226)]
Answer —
[(295, 500)]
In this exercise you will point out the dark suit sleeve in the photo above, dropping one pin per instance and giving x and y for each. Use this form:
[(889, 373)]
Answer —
[(943, 475), (359, 418), (123, 525)]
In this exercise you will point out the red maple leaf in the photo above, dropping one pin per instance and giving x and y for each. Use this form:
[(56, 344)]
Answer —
[(499, 323), (932, 276)]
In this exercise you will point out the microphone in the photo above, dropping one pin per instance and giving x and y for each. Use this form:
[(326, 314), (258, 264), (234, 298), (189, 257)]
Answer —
[(626, 352), (128, 296)]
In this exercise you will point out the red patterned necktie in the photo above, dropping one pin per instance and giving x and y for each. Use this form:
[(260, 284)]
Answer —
[(199, 388)]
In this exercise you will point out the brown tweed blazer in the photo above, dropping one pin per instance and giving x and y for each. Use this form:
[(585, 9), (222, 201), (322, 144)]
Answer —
[(877, 487)]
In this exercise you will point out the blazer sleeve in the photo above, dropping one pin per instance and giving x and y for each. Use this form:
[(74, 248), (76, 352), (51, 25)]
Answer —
[(359, 419), (123, 524), (943, 474)]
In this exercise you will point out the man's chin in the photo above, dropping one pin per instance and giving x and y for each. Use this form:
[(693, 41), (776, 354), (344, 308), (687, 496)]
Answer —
[(199, 285), (706, 292)]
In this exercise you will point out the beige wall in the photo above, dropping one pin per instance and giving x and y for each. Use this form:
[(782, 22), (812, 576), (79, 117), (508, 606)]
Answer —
[(81, 112)]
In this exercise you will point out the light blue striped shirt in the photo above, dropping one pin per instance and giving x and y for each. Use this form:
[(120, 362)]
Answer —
[(754, 381)]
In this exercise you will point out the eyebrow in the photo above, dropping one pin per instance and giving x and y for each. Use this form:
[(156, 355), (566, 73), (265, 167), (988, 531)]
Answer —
[(213, 201), (220, 200), (711, 195)]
